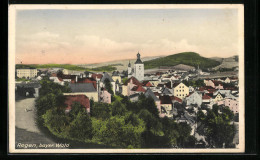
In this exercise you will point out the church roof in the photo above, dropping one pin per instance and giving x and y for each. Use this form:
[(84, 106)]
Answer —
[(138, 60)]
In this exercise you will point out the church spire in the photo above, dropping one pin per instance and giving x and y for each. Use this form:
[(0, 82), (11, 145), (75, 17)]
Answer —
[(129, 64), (138, 60)]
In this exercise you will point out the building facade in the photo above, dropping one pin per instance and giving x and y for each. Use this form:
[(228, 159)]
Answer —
[(26, 73), (138, 71)]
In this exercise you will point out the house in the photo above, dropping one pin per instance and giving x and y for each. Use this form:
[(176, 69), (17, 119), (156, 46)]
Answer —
[(104, 96), (72, 72), (206, 98), (128, 85), (180, 90), (28, 89), (218, 97), (105, 78), (194, 98), (231, 103), (214, 84), (86, 89), (56, 79), (26, 73), (166, 106), (116, 76), (82, 99), (134, 97), (87, 80), (96, 76), (147, 84)]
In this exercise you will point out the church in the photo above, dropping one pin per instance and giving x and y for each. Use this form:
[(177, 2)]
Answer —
[(138, 70)]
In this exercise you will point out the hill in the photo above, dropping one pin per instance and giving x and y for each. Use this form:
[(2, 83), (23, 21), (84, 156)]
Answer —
[(229, 62), (186, 58)]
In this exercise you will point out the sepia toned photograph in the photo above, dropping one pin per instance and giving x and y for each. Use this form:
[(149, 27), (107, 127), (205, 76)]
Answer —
[(158, 78)]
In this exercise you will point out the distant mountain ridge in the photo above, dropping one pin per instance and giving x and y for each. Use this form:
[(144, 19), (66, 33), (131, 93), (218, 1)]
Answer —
[(186, 58)]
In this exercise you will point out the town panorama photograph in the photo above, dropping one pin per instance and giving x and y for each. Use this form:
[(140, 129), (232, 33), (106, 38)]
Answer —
[(126, 78)]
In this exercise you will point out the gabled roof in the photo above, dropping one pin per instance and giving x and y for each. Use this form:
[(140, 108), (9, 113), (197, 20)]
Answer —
[(106, 76), (82, 87), (149, 93), (138, 89), (88, 80), (166, 91), (147, 84), (95, 76), (222, 95), (206, 96), (82, 99), (135, 81)]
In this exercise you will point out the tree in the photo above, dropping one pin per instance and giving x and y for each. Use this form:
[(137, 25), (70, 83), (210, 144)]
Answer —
[(101, 110), (184, 129), (81, 127), (149, 104), (108, 86), (118, 108), (170, 129), (218, 129)]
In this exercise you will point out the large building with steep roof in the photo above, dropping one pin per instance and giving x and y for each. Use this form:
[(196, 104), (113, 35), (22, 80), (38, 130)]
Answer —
[(138, 70)]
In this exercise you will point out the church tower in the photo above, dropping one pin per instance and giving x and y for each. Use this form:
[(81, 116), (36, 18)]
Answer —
[(129, 70), (139, 68)]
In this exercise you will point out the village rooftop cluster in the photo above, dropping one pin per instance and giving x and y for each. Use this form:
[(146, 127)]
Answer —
[(170, 90)]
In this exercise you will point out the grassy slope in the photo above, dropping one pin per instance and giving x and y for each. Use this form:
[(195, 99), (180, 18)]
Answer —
[(187, 58), (67, 66)]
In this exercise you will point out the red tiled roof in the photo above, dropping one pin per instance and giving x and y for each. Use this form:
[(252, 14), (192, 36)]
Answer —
[(147, 84), (173, 98), (208, 88), (206, 96), (95, 76), (135, 81), (138, 89), (82, 99)]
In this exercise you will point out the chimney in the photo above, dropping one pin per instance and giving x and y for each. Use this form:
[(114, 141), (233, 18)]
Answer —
[(76, 79)]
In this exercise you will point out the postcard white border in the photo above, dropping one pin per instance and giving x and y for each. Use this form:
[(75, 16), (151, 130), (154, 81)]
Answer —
[(11, 76)]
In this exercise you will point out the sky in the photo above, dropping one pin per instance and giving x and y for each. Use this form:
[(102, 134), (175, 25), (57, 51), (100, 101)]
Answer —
[(94, 36)]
